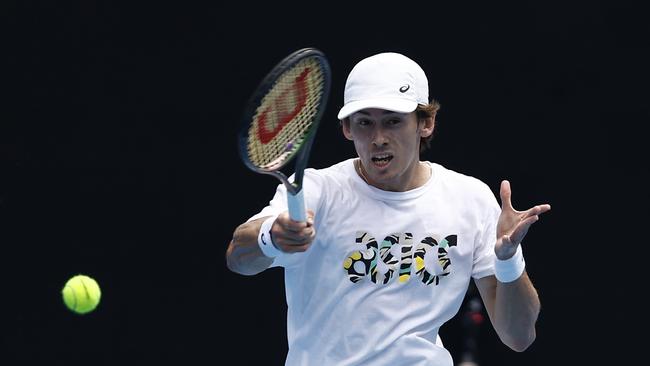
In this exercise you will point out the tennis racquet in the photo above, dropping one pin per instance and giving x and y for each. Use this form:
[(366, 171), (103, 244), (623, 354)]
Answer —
[(281, 119)]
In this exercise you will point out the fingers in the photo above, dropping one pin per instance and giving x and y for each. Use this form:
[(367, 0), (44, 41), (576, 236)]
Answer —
[(506, 202), (505, 193), (536, 211), (521, 229), (542, 208), (295, 226), (290, 245), (293, 236)]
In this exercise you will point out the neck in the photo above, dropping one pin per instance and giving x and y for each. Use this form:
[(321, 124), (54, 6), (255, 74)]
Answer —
[(419, 175)]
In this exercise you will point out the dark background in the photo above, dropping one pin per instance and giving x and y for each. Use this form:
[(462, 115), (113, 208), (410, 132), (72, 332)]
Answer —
[(118, 160)]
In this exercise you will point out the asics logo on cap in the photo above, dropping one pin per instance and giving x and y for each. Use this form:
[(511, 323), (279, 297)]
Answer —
[(389, 81)]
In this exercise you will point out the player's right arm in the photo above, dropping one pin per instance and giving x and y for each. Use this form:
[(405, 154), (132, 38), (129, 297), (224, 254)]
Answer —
[(244, 255)]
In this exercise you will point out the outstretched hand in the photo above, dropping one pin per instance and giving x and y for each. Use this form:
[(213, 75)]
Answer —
[(513, 225)]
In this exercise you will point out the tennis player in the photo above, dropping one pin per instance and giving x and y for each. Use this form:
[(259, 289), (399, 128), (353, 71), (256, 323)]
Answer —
[(391, 242)]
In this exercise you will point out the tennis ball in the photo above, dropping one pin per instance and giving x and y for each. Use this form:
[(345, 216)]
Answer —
[(81, 294)]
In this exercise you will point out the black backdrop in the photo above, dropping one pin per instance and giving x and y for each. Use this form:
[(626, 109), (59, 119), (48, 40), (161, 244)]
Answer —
[(119, 161)]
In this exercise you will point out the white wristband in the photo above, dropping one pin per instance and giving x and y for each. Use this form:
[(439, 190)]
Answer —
[(510, 269), (264, 239)]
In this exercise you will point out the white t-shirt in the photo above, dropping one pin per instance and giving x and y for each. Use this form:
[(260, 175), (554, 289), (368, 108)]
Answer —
[(387, 269)]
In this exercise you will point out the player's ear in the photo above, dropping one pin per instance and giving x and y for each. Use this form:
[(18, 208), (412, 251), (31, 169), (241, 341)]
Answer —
[(427, 125), (345, 125)]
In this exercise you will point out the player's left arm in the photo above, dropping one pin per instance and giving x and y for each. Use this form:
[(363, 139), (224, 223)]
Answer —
[(513, 307)]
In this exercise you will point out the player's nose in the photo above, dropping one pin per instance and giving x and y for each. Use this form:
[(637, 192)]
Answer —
[(379, 138)]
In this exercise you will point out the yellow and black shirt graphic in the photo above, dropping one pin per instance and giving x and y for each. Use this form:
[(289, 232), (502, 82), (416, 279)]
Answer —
[(360, 263)]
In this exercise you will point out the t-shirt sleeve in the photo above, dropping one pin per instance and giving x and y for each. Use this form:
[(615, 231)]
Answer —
[(484, 249)]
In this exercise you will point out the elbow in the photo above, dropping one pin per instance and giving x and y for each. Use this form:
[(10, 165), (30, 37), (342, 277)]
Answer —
[(521, 343), (232, 260), (234, 252), (236, 267), (236, 261), (518, 336), (233, 264), (243, 255)]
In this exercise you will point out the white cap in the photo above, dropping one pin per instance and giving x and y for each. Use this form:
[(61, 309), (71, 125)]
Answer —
[(388, 81)]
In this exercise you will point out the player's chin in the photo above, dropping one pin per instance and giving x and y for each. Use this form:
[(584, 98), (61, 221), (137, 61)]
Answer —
[(384, 172)]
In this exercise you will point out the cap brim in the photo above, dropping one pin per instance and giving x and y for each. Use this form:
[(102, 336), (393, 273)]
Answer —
[(390, 104)]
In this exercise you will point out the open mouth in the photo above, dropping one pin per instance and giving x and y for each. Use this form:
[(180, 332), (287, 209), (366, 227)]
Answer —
[(382, 159)]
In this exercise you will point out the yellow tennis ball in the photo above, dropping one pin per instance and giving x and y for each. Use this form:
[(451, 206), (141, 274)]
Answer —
[(81, 294)]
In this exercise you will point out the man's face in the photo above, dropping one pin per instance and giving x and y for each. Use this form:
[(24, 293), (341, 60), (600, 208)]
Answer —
[(388, 144)]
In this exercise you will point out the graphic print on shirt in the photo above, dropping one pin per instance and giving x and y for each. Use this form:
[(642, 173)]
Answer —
[(363, 262), (358, 263), (443, 258)]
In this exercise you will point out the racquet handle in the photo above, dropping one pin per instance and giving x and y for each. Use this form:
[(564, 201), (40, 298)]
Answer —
[(296, 205)]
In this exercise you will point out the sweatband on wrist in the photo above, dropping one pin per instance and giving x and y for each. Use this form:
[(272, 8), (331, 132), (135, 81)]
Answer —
[(264, 239), (510, 269)]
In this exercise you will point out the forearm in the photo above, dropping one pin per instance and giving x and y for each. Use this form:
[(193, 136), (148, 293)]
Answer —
[(516, 309), (244, 255)]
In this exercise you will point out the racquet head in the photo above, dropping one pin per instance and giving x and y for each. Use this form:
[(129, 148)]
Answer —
[(282, 115)]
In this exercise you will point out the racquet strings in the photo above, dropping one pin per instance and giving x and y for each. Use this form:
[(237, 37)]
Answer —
[(282, 121)]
